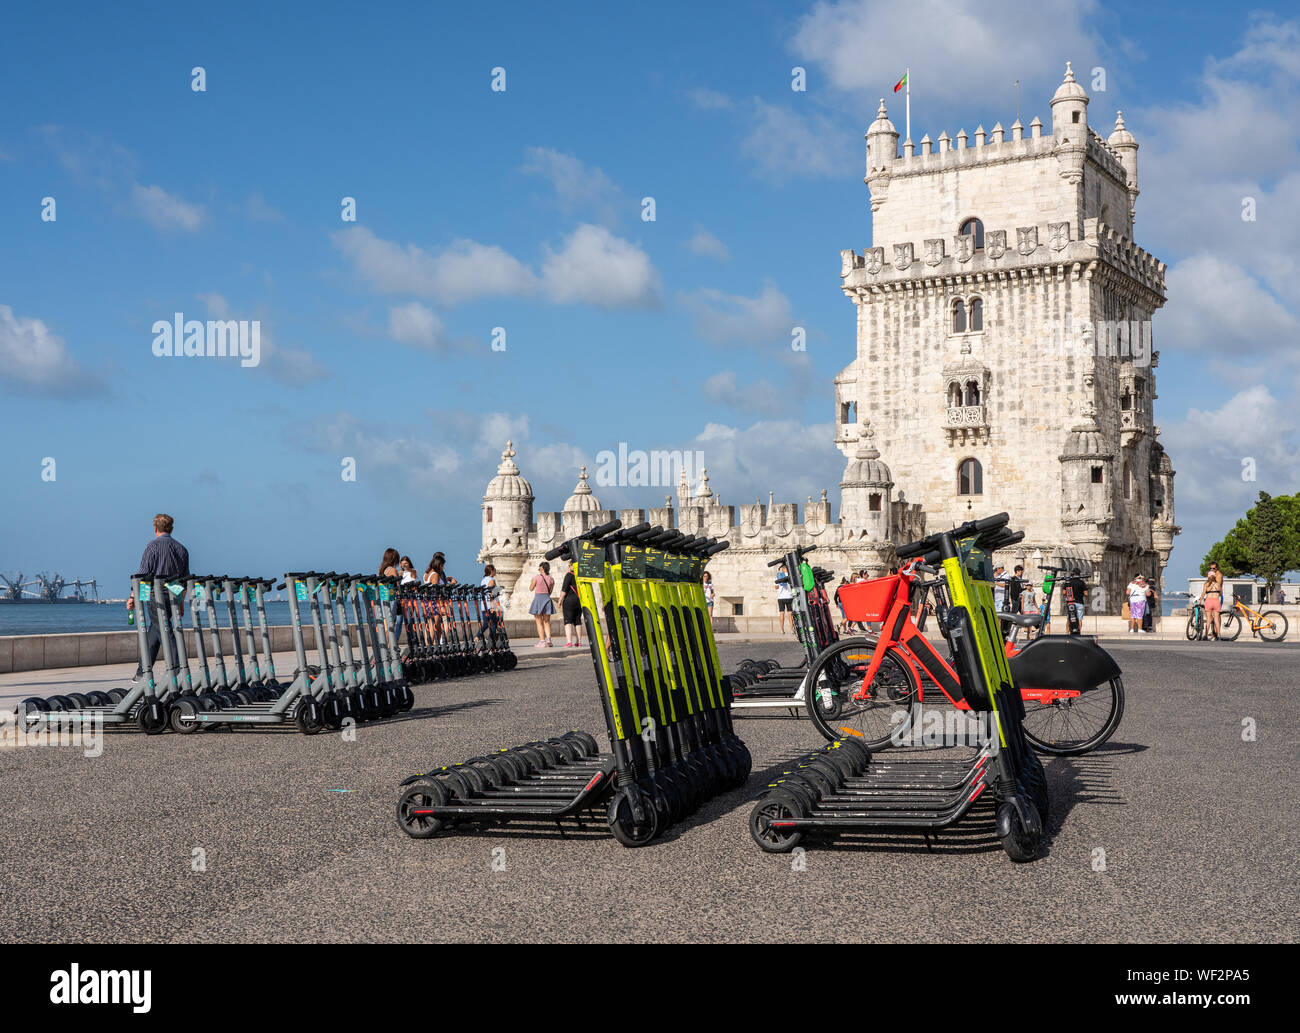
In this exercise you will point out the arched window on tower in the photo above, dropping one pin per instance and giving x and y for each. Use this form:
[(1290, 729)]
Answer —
[(976, 314), (970, 477), (489, 514), (973, 227), (954, 395), (972, 392), (874, 502), (959, 316)]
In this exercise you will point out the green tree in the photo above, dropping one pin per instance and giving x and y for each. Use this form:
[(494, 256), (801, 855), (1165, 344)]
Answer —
[(1265, 543)]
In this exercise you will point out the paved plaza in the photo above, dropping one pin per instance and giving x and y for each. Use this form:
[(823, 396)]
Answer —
[(1179, 829)]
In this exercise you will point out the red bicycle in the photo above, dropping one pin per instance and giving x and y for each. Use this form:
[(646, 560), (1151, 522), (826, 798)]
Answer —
[(872, 689)]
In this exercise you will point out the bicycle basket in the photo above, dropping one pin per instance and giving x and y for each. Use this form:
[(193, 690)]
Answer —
[(869, 600)]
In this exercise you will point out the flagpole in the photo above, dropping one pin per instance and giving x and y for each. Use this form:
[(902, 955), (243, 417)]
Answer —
[(907, 93)]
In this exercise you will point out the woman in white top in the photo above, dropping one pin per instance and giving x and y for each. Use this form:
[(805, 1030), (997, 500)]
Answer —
[(1137, 604)]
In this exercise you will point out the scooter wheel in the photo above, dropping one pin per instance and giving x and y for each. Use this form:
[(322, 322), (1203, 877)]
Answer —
[(61, 703), (182, 709), (408, 697), (1020, 838), (99, 699), (29, 711), (151, 718), (512, 661), (117, 695), (309, 718), (80, 700), (568, 750), (766, 822), (624, 826), (587, 740), (414, 803)]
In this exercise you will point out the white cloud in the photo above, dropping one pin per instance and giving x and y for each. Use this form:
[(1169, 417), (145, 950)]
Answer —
[(35, 360), (1211, 448), (709, 100), (257, 209), (706, 245), (218, 307), (598, 268), (795, 460), (1219, 307), (785, 144), (463, 271), (733, 319), (579, 188), (165, 211), (416, 325), (955, 48)]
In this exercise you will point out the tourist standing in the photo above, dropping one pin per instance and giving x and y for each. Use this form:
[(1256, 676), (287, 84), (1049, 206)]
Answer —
[(388, 568), (1000, 588), (1152, 598), (844, 620), (571, 608), (163, 557), (1137, 604), (708, 595), (1212, 597), (542, 607), (784, 597)]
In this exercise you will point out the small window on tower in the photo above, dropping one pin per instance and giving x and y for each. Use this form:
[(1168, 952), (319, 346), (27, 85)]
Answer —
[(1076, 116), (848, 412), (1126, 401), (973, 227), (489, 514), (1096, 474), (976, 314), (874, 502), (972, 392), (970, 478), (959, 316)]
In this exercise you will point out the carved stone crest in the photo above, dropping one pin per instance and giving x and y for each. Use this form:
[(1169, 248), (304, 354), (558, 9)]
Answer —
[(782, 525), (1027, 239), (752, 521), (875, 259), (964, 246), (904, 256), (847, 261), (995, 243), (1058, 235), (934, 251)]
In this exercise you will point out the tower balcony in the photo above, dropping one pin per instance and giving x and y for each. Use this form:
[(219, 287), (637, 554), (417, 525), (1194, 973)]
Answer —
[(966, 422)]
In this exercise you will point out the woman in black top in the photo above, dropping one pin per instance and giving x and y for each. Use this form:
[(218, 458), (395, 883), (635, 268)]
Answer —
[(571, 609)]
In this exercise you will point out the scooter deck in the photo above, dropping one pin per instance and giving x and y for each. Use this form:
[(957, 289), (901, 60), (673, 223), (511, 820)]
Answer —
[(531, 801)]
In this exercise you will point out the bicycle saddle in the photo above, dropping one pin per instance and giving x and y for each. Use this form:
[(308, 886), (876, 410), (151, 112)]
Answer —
[(1022, 620)]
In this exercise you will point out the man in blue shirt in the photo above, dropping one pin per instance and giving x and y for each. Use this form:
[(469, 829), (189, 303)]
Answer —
[(167, 558)]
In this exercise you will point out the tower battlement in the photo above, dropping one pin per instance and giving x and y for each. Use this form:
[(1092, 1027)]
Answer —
[(1006, 254)]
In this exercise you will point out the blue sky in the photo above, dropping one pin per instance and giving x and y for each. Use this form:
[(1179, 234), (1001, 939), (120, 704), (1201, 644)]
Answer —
[(522, 209)]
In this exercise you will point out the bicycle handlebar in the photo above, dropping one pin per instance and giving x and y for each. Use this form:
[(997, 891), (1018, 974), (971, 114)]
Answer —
[(931, 541)]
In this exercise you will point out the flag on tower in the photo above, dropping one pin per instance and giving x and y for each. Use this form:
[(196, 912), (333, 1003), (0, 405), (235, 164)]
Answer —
[(901, 83)]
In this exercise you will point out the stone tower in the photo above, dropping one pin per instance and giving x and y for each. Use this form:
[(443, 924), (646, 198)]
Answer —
[(1004, 338), (507, 519)]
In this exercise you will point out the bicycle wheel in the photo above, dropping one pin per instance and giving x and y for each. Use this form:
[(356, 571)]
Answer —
[(837, 675), (1229, 626), (1069, 727), (1272, 626), (1193, 628)]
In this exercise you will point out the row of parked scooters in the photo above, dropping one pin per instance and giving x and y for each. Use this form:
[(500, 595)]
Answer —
[(359, 677), (452, 630)]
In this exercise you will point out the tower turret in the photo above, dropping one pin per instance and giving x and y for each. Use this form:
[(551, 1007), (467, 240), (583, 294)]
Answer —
[(1122, 143), (1069, 108), (507, 519), (882, 152), (864, 490)]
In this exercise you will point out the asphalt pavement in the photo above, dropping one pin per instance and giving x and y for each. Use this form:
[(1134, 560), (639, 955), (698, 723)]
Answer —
[(1182, 828)]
